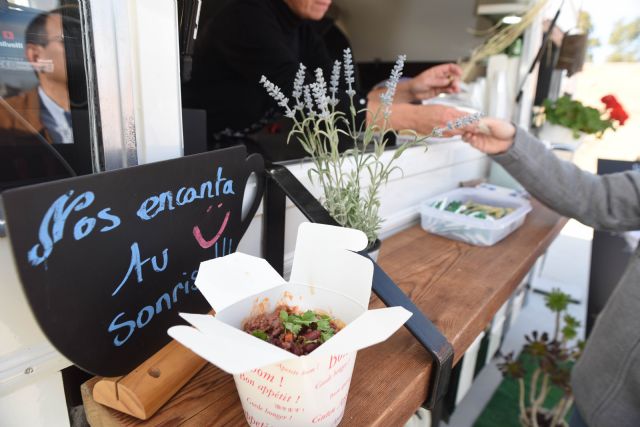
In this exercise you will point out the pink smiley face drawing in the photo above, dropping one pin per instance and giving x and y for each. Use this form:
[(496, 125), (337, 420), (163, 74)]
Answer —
[(204, 243)]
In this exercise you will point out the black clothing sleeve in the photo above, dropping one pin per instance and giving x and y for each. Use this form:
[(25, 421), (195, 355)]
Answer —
[(245, 40)]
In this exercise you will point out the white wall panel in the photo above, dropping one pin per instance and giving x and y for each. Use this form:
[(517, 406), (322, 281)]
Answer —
[(434, 30)]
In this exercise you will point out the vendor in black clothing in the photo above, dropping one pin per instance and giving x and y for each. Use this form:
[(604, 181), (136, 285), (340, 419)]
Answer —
[(250, 38)]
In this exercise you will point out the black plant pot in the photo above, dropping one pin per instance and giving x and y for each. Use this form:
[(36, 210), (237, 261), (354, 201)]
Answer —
[(374, 249)]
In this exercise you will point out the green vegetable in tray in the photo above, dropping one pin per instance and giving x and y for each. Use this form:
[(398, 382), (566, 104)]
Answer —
[(473, 209)]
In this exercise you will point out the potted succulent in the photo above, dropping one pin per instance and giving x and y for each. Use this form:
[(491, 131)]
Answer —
[(546, 362), (568, 121), (350, 179)]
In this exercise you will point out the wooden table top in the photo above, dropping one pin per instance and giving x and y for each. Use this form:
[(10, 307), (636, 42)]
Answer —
[(458, 286)]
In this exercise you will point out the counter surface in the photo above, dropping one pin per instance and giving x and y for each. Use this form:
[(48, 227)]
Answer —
[(458, 286)]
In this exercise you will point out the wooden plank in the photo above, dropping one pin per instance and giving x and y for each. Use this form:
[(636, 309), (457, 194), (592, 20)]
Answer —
[(148, 387), (210, 386), (458, 286)]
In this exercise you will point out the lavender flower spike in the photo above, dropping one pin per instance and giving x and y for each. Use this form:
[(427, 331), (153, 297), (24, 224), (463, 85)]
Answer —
[(297, 87), (348, 72), (308, 100), (392, 82), (335, 80), (457, 124), (275, 92), (319, 89)]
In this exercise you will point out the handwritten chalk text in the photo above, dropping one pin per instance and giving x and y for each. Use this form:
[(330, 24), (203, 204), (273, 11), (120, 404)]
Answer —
[(53, 224), (157, 204), (125, 329), (136, 264)]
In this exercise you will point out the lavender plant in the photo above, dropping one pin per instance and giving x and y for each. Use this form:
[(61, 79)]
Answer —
[(351, 181)]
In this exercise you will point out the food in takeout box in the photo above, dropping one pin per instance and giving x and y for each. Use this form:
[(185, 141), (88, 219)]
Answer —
[(287, 328), (275, 386)]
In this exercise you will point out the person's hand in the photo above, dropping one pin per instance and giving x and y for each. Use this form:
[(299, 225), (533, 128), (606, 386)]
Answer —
[(443, 78), (491, 136), (435, 116)]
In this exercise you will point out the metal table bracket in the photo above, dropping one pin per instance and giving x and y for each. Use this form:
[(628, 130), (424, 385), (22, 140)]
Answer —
[(280, 184)]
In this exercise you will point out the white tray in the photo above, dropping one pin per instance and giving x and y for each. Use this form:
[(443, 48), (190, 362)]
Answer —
[(481, 232)]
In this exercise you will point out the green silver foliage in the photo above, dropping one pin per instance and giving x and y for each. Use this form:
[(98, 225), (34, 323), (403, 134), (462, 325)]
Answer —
[(351, 180), (554, 357)]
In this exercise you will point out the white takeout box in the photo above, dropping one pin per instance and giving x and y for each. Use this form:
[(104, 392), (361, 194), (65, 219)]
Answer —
[(278, 388)]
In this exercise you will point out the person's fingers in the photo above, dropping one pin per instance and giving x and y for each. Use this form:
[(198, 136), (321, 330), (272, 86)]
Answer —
[(447, 89), (440, 82), (469, 137), (449, 68), (455, 69), (471, 128), (499, 128)]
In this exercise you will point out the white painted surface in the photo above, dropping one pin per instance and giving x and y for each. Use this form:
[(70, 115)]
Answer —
[(556, 270), (25, 354), (38, 404), (156, 61), (435, 30), (422, 418), (468, 368), (495, 333), (532, 39)]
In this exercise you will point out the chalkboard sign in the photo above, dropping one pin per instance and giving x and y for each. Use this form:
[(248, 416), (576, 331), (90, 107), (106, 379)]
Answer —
[(107, 261)]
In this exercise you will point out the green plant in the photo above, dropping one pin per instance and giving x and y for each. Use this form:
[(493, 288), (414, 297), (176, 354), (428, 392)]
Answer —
[(552, 357), (577, 116), (351, 179)]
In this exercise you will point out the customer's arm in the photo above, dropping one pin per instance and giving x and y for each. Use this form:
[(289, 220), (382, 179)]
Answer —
[(610, 202)]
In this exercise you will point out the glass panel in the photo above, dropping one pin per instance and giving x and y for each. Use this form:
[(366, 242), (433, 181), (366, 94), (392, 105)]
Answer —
[(44, 126)]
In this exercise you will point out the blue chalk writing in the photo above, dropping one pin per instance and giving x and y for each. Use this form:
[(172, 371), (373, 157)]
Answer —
[(57, 213), (83, 227), (115, 221), (137, 262), (226, 247), (124, 328), (117, 341), (156, 204), (53, 223)]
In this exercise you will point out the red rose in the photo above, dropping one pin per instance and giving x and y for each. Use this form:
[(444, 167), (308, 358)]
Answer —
[(616, 112), (619, 114), (610, 101)]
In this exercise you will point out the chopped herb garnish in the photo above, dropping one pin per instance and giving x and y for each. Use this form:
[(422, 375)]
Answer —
[(294, 328), (325, 335), (258, 333)]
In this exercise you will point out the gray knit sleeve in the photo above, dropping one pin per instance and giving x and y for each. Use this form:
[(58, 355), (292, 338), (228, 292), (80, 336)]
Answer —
[(609, 202)]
